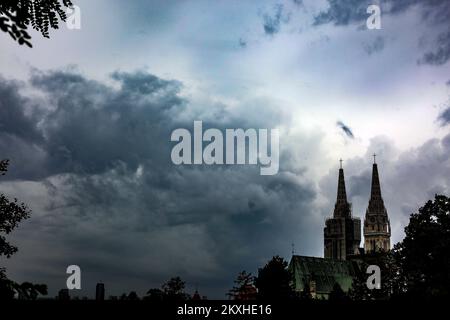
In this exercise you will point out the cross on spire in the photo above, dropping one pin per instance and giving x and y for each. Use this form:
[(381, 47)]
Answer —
[(340, 160), (374, 158)]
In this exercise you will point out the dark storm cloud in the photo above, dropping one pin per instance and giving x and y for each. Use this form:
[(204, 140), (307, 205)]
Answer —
[(353, 11), (444, 117), (343, 12), (107, 196), (435, 13), (346, 129), (13, 120), (93, 127), (18, 131)]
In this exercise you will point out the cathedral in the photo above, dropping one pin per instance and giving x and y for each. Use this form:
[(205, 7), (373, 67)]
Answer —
[(342, 239)]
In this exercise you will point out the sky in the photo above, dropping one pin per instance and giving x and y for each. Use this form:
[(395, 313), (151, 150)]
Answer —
[(86, 118)]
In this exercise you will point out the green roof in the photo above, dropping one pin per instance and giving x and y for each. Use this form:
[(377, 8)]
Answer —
[(325, 273)]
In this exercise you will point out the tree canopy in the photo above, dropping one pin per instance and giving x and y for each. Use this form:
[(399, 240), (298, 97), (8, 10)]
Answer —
[(273, 281), (243, 288), (11, 213), (424, 254), (16, 16)]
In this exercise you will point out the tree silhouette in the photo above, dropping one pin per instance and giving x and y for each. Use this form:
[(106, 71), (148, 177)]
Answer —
[(424, 254), (6, 287), (11, 213), (244, 288), (17, 15), (174, 289), (273, 281)]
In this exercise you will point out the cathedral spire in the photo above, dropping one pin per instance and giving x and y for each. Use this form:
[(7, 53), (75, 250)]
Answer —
[(375, 193), (341, 193), (342, 232), (377, 228), (342, 207)]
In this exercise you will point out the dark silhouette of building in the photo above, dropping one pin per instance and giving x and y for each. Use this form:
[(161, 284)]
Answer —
[(100, 292), (342, 232), (377, 228)]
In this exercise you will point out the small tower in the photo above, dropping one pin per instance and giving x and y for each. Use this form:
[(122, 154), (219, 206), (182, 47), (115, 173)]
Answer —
[(342, 232), (377, 228), (100, 292)]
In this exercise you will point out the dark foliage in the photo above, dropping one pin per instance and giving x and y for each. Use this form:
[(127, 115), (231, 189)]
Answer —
[(11, 213), (24, 291), (419, 266), (389, 278), (424, 254), (17, 15), (244, 288), (273, 281), (172, 290)]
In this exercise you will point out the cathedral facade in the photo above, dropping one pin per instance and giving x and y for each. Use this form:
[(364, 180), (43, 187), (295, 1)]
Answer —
[(342, 232), (342, 239)]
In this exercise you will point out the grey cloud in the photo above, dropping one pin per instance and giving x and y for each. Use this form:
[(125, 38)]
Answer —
[(272, 22), (444, 117), (441, 53), (13, 117), (354, 11), (91, 126), (435, 13), (343, 12)]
